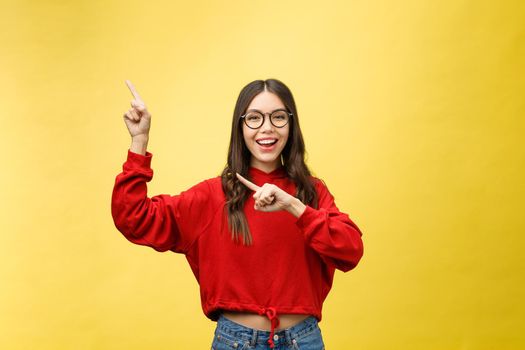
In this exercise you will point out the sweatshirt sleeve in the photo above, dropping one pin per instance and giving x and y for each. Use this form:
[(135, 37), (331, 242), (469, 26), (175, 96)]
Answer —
[(331, 233), (162, 222)]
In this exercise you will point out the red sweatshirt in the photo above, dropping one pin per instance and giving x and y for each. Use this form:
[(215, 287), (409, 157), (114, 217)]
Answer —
[(289, 267)]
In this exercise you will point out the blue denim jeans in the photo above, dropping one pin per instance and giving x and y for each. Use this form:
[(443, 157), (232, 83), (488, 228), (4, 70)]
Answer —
[(229, 335)]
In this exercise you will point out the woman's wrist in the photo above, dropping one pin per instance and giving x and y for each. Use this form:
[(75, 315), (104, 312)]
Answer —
[(296, 207), (139, 144)]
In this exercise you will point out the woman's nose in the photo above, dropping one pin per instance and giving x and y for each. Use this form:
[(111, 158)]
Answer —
[(267, 125)]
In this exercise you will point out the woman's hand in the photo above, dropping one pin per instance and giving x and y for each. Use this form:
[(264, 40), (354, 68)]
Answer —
[(137, 119), (269, 197)]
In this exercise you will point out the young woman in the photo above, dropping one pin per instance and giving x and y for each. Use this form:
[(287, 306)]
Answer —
[(263, 239)]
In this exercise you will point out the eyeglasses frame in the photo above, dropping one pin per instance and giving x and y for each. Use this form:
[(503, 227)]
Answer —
[(269, 116)]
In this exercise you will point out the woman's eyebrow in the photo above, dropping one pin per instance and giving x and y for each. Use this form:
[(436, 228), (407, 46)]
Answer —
[(256, 110)]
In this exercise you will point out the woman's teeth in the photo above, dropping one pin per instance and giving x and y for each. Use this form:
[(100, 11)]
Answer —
[(266, 142)]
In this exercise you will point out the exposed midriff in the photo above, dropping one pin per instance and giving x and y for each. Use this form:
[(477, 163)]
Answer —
[(261, 322)]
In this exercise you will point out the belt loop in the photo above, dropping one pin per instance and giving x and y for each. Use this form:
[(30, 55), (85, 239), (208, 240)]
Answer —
[(254, 338), (288, 336)]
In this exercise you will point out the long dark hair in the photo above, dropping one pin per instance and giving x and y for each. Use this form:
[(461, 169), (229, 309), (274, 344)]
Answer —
[(239, 158)]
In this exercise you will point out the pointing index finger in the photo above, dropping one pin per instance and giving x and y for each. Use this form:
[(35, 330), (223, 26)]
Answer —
[(247, 183), (134, 92)]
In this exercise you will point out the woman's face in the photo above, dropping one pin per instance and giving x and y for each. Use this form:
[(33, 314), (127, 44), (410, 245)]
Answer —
[(266, 157)]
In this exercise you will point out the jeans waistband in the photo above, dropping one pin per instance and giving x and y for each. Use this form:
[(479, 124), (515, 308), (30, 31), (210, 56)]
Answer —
[(256, 336)]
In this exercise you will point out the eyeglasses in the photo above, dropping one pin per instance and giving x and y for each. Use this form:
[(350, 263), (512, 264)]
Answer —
[(254, 120)]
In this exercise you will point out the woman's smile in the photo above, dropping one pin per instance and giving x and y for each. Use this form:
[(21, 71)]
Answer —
[(267, 144)]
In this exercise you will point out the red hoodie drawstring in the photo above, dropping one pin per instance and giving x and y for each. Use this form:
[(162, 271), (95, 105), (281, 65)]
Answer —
[(271, 313)]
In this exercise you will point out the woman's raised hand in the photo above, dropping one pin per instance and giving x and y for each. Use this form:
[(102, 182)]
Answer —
[(137, 118), (268, 197)]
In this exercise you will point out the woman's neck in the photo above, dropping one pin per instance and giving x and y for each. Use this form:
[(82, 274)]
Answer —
[(266, 167)]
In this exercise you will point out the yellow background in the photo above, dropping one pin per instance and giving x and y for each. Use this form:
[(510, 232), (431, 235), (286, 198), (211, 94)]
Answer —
[(412, 112)]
